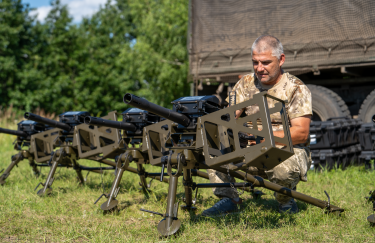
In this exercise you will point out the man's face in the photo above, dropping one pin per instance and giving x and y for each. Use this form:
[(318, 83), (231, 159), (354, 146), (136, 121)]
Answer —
[(267, 68)]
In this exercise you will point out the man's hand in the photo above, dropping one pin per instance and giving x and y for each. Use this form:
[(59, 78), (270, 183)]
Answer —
[(299, 129), (239, 112)]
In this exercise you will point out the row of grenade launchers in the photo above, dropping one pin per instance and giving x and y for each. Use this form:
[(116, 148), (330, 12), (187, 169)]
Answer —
[(197, 134)]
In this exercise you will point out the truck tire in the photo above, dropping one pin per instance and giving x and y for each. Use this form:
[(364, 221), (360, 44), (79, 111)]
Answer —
[(326, 104), (367, 108)]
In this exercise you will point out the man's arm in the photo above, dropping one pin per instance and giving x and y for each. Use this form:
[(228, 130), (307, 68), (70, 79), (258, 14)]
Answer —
[(239, 112), (299, 129)]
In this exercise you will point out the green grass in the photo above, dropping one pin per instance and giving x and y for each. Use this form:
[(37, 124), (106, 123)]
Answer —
[(69, 215)]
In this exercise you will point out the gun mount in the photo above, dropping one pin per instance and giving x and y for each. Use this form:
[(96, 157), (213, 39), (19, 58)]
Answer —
[(94, 140), (210, 138), (72, 145), (60, 133), (24, 132), (133, 150), (26, 129), (80, 141)]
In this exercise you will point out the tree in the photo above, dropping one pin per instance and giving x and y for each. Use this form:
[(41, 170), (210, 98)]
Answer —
[(104, 80), (75, 67), (127, 46), (50, 76), (15, 45), (159, 55)]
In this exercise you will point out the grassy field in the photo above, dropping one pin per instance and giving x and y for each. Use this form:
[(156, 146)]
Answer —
[(69, 215)]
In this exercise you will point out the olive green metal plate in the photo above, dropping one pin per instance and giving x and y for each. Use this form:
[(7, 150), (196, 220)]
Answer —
[(155, 138), (107, 207), (220, 148), (45, 193), (84, 135), (42, 144), (164, 230)]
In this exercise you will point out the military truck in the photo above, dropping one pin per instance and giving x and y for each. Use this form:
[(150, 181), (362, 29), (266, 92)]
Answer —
[(329, 45)]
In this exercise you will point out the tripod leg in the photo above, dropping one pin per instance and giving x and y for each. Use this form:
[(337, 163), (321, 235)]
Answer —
[(122, 164), (112, 202), (15, 160), (170, 224), (46, 190), (78, 171), (143, 182), (188, 181), (34, 166), (56, 158)]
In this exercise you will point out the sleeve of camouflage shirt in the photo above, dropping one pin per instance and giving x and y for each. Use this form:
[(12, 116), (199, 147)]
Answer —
[(301, 103), (239, 88)]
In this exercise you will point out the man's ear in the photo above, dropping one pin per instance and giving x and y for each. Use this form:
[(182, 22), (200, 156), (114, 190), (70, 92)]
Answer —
[(282, 59)]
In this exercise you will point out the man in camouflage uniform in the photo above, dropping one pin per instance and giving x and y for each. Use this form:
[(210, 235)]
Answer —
[(268, 57)]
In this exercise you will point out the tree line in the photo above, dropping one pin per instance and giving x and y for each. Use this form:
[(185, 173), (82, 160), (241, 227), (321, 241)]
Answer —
[(127, 46)]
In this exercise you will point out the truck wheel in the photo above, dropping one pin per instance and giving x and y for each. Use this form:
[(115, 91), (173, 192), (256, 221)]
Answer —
[(367, 108), (326, 104)]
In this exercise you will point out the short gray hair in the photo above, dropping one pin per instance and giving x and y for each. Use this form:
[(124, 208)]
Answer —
[(266, 42)]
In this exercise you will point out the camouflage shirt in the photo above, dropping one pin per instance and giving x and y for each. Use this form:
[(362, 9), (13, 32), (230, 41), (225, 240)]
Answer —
[(289, 88)]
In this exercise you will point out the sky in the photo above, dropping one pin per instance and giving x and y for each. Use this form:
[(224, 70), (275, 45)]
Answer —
[(77, 8)]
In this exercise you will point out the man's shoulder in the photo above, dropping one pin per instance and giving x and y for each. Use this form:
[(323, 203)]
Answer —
[(300, 86), (293, 79), (300, 99), (246, 81), (248, 78)]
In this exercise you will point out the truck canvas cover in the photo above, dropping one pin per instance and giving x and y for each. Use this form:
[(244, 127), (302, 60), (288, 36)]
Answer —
[(316, 34)]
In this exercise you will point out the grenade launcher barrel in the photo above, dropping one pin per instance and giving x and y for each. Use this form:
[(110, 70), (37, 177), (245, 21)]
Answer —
[(90, 120), (156, 109), (13, 132), (49, 122)]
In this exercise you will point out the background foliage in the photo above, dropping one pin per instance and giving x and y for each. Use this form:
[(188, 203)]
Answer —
[(127, 46)]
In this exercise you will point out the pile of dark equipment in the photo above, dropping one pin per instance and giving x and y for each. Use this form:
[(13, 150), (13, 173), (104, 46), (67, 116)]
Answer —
[(198, 134), (367, 140), (342, 142)]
